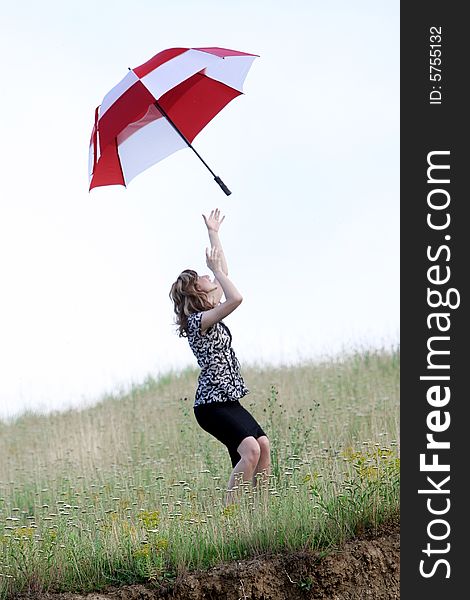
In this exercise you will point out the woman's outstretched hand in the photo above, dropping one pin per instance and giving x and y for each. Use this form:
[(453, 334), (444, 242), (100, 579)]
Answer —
[(214, 259), (213, 221)]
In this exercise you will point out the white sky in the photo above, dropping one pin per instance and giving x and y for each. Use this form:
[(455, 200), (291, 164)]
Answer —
[(311, 153)]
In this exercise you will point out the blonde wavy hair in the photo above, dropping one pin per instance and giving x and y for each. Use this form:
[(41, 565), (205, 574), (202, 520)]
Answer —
[(187, 299)]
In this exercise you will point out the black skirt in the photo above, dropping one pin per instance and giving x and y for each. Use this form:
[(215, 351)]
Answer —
[(229, 422)]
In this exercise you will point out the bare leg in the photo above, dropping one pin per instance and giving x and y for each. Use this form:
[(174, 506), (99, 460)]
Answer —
[(249, 451), (263, 468)]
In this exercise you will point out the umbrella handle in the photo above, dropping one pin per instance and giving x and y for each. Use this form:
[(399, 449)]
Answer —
[(222, 185)]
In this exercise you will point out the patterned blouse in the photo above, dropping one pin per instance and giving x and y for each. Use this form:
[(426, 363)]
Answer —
[(220, 379)]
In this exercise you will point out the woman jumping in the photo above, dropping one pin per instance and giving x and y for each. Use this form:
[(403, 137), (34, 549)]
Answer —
[(217, 407)]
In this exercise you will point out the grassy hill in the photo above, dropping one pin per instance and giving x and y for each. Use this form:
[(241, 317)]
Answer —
[(132, 490)]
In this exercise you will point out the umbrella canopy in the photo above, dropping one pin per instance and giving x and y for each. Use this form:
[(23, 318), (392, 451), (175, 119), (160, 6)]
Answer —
[(160, 107)]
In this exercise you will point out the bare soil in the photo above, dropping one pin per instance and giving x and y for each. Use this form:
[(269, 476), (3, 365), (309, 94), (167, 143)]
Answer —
[(364, 568)]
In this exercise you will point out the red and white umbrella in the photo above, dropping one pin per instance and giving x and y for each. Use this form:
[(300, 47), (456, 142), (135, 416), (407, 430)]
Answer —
[(160, 107)]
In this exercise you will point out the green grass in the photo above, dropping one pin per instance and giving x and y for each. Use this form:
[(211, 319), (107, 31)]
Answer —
[(132, 490)]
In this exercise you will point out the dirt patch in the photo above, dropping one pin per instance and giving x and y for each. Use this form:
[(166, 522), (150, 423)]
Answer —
[(366, 567)]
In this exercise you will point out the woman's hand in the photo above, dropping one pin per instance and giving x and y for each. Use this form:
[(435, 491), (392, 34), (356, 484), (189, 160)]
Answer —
[(214, 259), (213, 221)]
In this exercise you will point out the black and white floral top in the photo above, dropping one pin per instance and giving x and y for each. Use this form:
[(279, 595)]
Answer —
[(220, 379)]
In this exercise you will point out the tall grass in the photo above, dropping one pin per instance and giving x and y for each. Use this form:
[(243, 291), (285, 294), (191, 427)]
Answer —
[(132, 490)]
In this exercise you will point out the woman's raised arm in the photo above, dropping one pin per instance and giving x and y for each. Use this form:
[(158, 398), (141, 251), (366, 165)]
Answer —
[(233, 298), (213, 223)]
